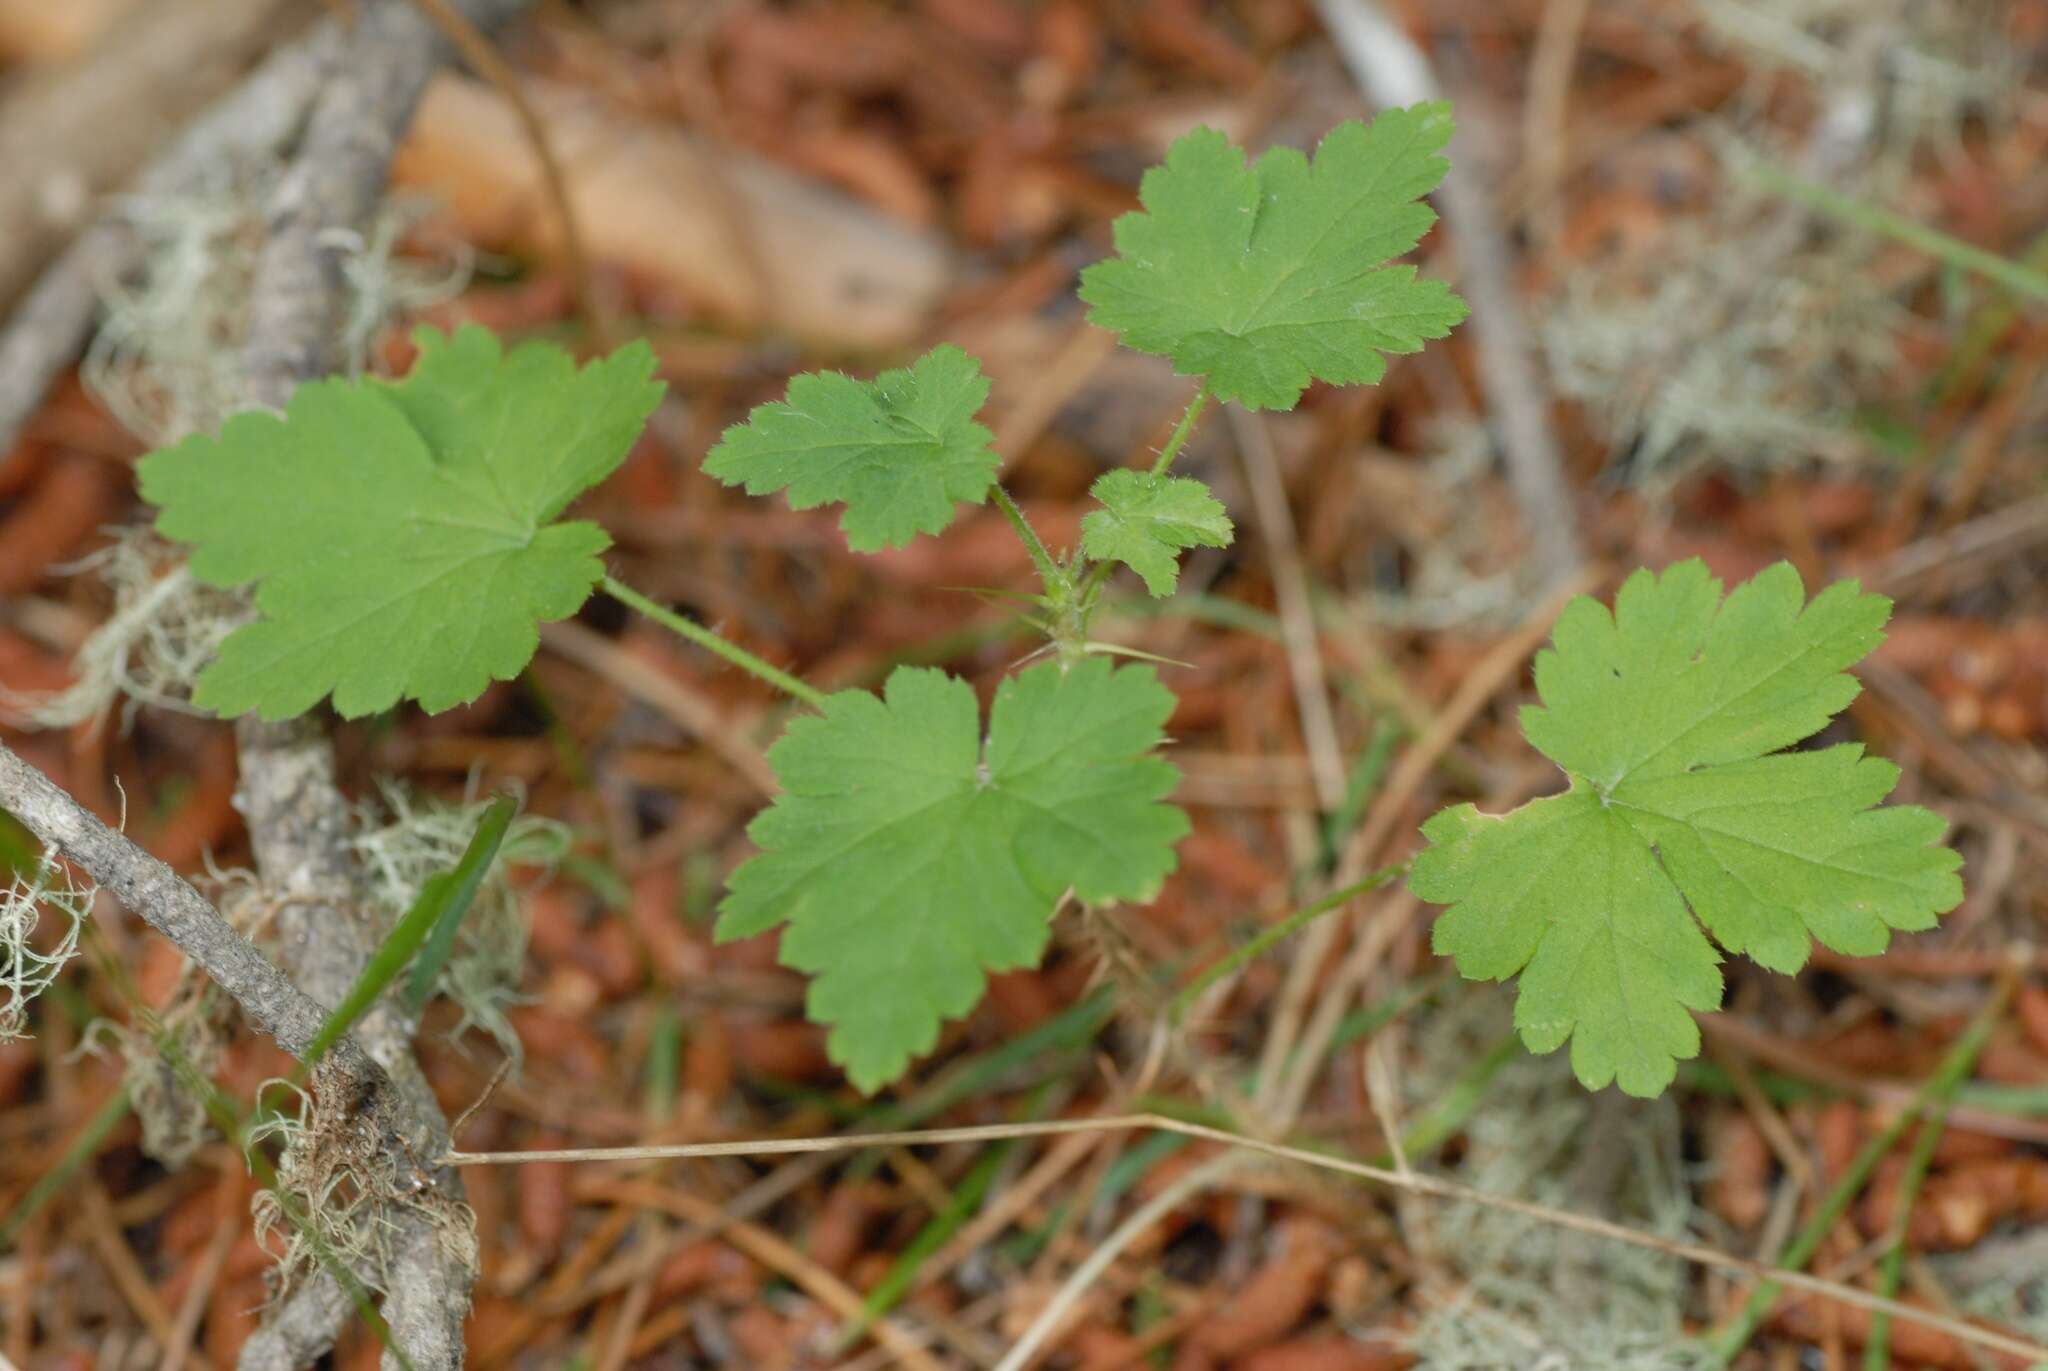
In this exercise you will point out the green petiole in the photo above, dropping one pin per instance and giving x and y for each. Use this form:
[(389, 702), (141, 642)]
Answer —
[(1178, 439), (712, 643)]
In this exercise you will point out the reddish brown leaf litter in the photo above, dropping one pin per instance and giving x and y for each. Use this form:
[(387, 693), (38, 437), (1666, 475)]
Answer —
[(769, 188)]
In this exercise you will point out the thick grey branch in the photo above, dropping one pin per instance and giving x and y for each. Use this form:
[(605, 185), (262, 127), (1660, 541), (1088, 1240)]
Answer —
[(72, 132), (301, 1330), (254, 121), (361, 83), (334, 187), (295, 812), (172, 907)]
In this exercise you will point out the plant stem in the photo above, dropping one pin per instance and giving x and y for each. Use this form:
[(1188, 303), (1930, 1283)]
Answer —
[(1941, 1094), (711, 642), (1058, 586), (1084, 596), (1279, 932), (1955, 1065), (2016, 277), (1097, 575), (1181, 431), (1408, 1182)]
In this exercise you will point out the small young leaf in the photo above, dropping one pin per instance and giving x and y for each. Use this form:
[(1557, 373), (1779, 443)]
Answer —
[(1146, 521), (403, 536), (899, 451), (1662, 714), (1262, 278), (909, 857)]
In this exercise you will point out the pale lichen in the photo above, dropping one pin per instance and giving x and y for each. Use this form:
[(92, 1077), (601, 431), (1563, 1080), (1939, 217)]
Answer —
[(1746, 332), (1530, 1295), (402, 838), (165, 627), (42, 911)]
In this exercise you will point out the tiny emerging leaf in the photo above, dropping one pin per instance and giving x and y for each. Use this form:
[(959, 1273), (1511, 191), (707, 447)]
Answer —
[(1682, 814), (1263, 277), (910, 857), (403, 537), (1146, 521), (898, 451)]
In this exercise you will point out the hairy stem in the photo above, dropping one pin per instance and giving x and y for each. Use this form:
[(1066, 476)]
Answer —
[(1091, 585), (1181, 430), (1058, 585), (711, 642)]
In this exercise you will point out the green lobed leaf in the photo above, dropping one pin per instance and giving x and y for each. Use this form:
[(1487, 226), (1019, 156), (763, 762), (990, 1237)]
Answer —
[(898, 451), (1683, 820), (1263, 277), (1146, 521), (909, 857), (403, 537)]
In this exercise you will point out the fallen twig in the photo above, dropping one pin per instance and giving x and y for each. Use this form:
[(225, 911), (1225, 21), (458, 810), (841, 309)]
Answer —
[(297, 816), (1394, 71), (171, 906), (1412, 1182), (254, 121)]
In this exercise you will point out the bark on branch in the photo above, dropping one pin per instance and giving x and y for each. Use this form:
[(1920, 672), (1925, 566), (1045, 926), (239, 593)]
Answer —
[(341, 101), (296, 814), (171, 906), (255, 120)]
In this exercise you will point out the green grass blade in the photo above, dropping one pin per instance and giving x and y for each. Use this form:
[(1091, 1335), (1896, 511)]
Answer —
[(902, 1273), (1734, 1335), (1359, 788), (1068, 1031), (1941, 1096), (2015, 277), (457, 891), (430, 923)]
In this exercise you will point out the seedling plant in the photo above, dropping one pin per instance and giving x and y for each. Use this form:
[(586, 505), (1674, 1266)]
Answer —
[(405, 538)]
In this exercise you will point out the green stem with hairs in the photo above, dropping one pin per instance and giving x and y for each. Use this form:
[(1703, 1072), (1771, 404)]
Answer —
[(1181, 431), (1059, 587), (1091, 585), (712, 643)]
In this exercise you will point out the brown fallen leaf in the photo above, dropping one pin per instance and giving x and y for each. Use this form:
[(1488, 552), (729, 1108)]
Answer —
[(1277, 1295), (1912, 1345), (1326, 1353), (1740, 1192), (733, 236)]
